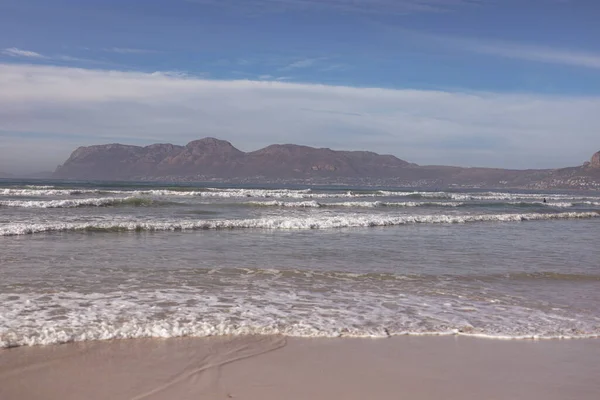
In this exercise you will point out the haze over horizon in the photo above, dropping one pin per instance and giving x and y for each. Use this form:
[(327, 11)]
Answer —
[(511, 84)]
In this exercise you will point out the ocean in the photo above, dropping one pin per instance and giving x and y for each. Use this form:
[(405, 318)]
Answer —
[(96, 261)]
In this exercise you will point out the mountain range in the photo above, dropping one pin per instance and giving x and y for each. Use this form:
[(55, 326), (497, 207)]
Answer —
[(211, 159)]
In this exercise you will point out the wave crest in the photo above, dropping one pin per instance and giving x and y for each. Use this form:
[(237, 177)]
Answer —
[(76, 203), (346, 221)]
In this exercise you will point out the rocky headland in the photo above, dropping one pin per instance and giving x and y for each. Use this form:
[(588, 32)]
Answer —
[(211, 159)]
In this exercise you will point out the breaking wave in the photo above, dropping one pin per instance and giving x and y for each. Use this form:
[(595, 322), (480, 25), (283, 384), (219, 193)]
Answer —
[(72, 317), (76, 203), (402, 204), (48, 192), (353, 204), (292, 223), (41, 191)]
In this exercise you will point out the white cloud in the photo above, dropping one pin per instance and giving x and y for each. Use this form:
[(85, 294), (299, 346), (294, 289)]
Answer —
[(267, 77), (72, 59), (335, 67), (304, 63), (125, 50), (428, 127), (14, 52), (350, 6), (529, 53)]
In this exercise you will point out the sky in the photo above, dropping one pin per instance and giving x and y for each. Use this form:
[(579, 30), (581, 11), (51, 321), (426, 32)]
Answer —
[(492, 83)]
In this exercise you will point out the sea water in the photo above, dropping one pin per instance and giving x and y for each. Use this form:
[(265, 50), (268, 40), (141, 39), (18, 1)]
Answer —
[(94, 261)]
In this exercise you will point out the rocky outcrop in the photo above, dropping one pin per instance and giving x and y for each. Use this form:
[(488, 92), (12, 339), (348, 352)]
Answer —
[(210, 157), (207, 156), (295, 161), (595, 161), (114, 161)]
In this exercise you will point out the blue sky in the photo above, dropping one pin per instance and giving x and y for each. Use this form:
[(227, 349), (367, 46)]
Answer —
[(501, 83)]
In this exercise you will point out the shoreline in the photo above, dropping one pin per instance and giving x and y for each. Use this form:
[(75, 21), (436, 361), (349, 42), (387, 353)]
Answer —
[(278, 367), (385, 336)]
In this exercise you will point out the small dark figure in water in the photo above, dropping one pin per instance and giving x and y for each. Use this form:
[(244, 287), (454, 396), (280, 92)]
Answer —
[(544, 200)]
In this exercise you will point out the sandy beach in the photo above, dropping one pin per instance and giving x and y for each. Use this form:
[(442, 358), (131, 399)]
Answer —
[(275, 367)]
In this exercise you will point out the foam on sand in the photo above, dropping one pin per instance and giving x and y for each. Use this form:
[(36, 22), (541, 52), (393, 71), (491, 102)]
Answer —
[(270, 306)]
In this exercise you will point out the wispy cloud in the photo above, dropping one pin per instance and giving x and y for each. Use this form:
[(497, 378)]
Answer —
[(354, 114), (73, 59), (307, 62), (57, 58), (176, 74), (542, 54), (488, 129), (352, 6), (334, 67), (267, 77), (125, 50), (303, 63), (15, 52)]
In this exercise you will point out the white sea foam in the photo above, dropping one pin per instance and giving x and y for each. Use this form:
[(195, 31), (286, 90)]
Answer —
[(293, 223), (556, 204), (293, 204), (47, 192), (40, 187), (307, 194), (248, 193), (254, 191), (539, 204), (50, 318), (589, 203), (352, 204), (70, 203), (483, 196), (41, 191)]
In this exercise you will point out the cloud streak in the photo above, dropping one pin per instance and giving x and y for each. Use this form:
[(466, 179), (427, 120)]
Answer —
[(528, 52), (125, 50), (58, 58), (15, 52), (350, 6), (301, 64), (87, 106)]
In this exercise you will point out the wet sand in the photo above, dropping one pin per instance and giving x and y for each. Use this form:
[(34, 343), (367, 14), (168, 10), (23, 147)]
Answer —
[(272, 367)]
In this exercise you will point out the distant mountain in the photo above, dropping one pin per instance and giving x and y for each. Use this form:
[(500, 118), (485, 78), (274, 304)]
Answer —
[(213, 159), (218, 158)]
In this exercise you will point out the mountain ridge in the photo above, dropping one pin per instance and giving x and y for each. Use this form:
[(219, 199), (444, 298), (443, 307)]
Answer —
[(215, 159)]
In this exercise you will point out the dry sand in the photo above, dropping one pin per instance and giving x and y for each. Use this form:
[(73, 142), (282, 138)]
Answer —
[(265, 368)]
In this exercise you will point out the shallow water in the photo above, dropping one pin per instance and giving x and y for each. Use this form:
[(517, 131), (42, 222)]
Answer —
[(87, 261)]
